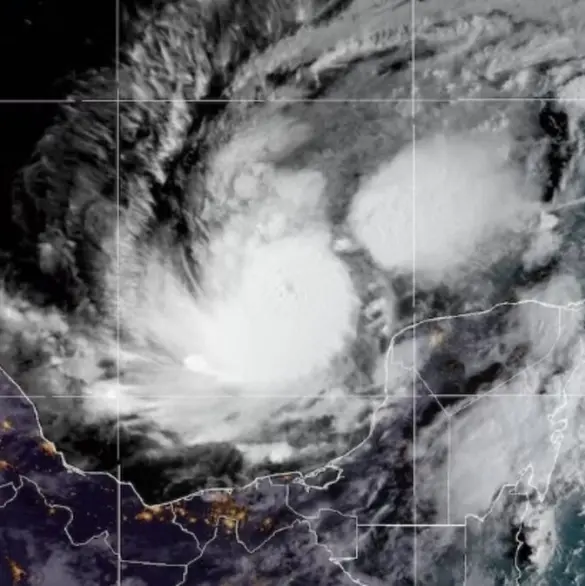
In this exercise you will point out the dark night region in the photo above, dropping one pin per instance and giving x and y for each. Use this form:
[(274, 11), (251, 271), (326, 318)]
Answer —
[(152, 575), (78, 510), (46, 44), (151, 535), (46, 47), (36, 550), (83, 505)]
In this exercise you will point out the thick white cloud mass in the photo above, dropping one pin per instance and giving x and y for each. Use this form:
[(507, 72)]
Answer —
[(441, 203), (289, 316), (276, 309)]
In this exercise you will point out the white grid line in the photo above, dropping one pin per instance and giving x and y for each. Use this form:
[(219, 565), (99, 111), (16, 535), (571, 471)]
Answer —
[(414, 348), (465, 556), (449, 443), (291, 101), (390, 400), (413, 525), (118, 350)]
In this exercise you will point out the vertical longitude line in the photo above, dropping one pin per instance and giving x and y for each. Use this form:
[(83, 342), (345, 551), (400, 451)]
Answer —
[(118, 451), (465, 553), (414, 354), (449, 440)]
